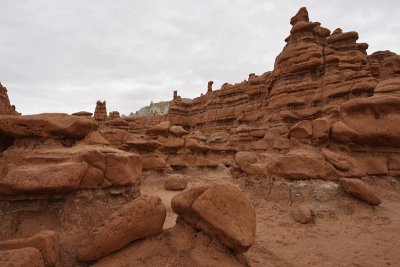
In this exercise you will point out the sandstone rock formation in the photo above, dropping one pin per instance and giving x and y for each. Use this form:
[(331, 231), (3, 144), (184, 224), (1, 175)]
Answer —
[(141, 218), (100, 112), (47, 242), (175, 182), (5, 107), (221, 211)]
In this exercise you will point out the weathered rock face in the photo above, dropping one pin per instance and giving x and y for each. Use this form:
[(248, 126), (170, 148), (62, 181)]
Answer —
[(221, 211), (372, 120), (223, 107), (100, 112), (47, 125), (58, 170), (302, 164), (5, 107), (141, 218), (23, 257)]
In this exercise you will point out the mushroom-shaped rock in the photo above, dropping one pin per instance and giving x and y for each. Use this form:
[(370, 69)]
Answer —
[(140, 218), (182, 204), (23, 257), (301, 214), (47, 242), (175, 182), (178, 131), (221, 211), (360, 190)]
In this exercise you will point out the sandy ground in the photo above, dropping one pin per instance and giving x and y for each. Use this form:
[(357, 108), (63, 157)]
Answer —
[(345, 231)]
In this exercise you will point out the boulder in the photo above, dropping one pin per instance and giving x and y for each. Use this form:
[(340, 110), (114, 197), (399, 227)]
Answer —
[(47, 125), (360, 190), (47, 242), (371, 120), (221, 211), (182, 204), (23, 257), (141, 218), (175, 182), (227, 215), (301, 214), (43, 178)]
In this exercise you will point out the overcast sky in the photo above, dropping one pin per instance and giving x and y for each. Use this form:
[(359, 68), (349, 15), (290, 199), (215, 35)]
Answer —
[(63, 55)]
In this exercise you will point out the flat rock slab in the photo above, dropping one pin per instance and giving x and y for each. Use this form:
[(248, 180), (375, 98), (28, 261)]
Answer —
[(302, 164), (49, 171), (141, 218), (47, 242), (47, 125), (43, 179)]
